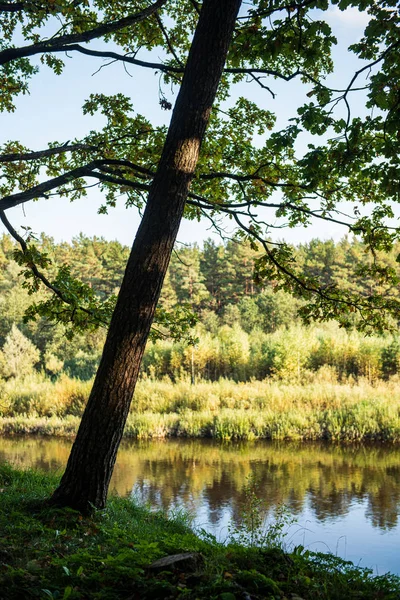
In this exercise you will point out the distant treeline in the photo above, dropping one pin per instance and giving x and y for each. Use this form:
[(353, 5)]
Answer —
[(244, 331)]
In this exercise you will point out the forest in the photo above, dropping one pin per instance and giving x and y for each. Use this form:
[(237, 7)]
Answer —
[(230, 327)]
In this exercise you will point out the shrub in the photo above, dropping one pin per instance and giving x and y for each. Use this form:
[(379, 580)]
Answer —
[(19, 355)]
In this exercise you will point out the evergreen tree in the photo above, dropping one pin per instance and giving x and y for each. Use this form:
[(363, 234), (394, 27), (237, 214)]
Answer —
[(187, 279)]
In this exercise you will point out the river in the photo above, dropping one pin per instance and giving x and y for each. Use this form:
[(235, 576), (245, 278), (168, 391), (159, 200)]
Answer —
[(344, 499)]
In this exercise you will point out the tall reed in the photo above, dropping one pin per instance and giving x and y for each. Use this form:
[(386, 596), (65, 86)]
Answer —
[(224, 409)]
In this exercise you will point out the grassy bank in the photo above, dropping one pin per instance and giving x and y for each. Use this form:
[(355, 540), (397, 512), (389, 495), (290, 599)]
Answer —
[(314, 410), (53, 553)]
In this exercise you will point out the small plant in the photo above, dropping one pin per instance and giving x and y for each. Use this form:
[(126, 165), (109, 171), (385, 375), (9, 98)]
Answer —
[(276, 531), (253, 530), (253, 520)]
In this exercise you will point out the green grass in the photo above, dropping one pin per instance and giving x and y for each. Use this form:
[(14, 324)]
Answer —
[(314, 410), (52, 553)]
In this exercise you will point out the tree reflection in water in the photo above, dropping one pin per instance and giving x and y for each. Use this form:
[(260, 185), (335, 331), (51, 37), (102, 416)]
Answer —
[(202, 475)]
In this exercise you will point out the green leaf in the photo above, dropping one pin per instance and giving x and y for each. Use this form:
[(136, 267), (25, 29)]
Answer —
[(67, 592)]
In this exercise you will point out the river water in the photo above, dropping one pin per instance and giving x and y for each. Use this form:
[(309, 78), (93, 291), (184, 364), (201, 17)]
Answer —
[(344, 499)]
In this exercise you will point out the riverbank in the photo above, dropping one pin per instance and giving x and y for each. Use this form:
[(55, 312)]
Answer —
[(52, 553), (317, 410)]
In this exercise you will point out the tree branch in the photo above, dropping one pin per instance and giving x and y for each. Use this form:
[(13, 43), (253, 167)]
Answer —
[(89, 170), (24, 248), (64, 40), (120, 57), (15, 157), (40, 190), (307, 287), (276, 8), (254, 73), (38, 274), (168, 41), (143, 187), (11, 6)]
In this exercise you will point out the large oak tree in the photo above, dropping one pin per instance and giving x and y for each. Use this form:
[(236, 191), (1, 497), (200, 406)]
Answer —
[(245, 167)]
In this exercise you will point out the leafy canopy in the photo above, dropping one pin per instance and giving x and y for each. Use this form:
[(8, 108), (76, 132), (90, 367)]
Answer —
[(339, 145)]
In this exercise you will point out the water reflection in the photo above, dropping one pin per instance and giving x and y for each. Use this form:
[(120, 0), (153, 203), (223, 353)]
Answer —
[(327, 479), (322, 484)]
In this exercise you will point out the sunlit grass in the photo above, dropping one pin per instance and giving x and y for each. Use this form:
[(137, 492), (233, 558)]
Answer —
[(269, 409)]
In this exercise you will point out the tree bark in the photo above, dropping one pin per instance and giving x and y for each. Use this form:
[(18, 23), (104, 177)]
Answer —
[(85, 482)]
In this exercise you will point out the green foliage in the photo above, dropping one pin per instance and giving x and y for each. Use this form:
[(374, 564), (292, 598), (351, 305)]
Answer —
[(53, 553), (321, 409), (252, 332), (251, 521), (250, 160), (18, 356), (176, 324)]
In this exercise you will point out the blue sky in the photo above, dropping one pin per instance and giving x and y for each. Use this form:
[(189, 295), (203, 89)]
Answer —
[(52, 111)]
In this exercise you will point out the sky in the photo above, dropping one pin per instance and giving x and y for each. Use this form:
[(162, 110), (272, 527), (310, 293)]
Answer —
[(52, 111)]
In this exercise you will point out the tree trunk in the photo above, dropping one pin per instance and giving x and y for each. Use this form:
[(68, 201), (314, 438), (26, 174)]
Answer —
[(85, 482)]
